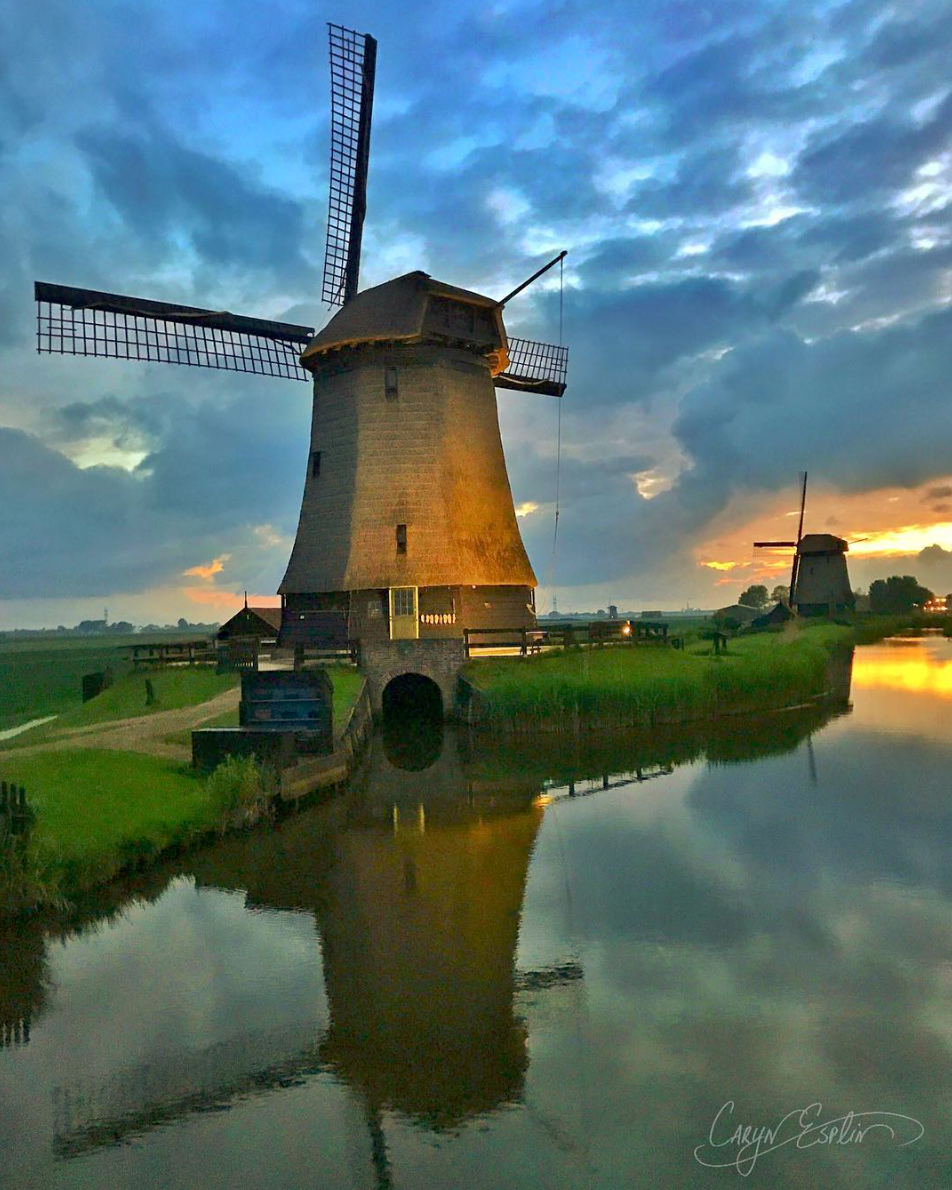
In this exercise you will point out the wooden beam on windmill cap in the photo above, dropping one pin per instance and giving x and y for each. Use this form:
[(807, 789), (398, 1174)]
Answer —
[(764, 545), (535, 276)]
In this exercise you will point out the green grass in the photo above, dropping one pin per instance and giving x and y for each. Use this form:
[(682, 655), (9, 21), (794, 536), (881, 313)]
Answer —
[(173, 688), (645, 684), (37, 681), (100, 811), (347, 683), (43, 676)]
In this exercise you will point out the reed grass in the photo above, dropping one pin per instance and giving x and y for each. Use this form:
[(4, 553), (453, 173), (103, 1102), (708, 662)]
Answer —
[(643, 685)]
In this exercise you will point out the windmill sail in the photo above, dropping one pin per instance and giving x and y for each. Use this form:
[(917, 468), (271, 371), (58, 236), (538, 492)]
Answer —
[(353, 65), (87, 322), (535, 367)]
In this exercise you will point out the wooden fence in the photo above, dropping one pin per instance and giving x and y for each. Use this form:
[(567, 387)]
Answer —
[(594, 633), (16, 814)]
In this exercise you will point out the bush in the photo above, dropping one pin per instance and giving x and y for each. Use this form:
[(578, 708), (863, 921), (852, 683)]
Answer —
[(243, 791)]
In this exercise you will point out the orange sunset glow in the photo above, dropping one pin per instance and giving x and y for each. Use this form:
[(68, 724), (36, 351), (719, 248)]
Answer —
[(921, 675), (888, 524), (227, 601)]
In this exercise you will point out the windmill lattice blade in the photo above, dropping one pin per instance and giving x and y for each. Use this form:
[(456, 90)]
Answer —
[(535, 367), (353, 65), (87, 322)]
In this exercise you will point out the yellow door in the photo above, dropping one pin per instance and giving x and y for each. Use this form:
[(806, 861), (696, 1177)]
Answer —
[(404, 613)]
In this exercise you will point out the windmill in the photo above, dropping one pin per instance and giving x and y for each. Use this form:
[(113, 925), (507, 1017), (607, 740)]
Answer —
[(407, 528), (819, 581)]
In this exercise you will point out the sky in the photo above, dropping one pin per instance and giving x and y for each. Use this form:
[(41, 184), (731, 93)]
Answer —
[(755, 200)]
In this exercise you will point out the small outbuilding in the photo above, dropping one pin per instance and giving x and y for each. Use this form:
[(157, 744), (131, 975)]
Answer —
[(740, 613), (263, 623), (778, 614)]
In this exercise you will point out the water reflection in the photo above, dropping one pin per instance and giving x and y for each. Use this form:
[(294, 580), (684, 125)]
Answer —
[(24, 977), (891, 667), (522, 965), (412, 745)]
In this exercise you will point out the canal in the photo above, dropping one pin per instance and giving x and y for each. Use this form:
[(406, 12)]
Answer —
[(526, 965)]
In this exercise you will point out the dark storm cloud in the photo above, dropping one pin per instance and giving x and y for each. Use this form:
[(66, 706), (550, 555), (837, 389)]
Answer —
[(198, 493), (933, 567), (843, 403), (160, 188), (705, 182), (625, 344), (872, 158)]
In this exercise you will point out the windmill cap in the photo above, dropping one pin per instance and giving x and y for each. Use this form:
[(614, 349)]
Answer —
[(400, 310), (822, 543)]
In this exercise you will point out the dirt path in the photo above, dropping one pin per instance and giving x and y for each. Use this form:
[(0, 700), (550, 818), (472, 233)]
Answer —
[(144, 733)]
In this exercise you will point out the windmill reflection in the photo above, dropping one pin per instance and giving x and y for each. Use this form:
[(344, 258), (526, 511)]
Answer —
[(419, 937), (415, 883)]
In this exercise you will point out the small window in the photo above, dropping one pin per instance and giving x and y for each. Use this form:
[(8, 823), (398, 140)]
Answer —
[(390, 383), (315, 463), (404, 601), (401, 539)]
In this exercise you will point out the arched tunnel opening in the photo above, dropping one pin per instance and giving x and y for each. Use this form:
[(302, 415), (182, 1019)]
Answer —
[(412, 722), (412, 698)]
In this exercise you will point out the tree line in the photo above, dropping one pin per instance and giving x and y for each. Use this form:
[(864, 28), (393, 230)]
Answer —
[(895, 595)]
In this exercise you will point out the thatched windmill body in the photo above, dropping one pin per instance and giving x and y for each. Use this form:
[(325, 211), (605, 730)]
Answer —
[(407, 527), (819, 580)]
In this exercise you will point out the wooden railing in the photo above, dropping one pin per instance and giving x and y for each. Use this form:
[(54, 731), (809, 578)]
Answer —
[(592, 633)]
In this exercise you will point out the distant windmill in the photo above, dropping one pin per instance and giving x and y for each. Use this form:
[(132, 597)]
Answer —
[(407, 526), (819, 580)]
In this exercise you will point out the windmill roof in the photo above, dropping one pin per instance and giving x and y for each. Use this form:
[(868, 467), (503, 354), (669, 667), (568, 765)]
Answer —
[(394, 310), (822, 543)]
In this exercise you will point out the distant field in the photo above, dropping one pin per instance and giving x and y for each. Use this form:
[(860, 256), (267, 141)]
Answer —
[(43, 676)]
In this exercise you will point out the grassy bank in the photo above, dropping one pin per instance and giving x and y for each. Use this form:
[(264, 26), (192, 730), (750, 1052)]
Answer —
[(638, 686), (43, 676), (128, 698), (100, 812)]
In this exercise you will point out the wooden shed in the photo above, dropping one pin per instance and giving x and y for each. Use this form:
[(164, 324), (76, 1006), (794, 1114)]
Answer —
[(262, 623)]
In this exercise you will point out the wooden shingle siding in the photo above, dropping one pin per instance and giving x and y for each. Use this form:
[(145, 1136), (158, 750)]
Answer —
[(431, 460)]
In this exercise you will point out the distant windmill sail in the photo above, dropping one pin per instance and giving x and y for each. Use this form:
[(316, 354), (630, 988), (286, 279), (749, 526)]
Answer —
[(795, 569), (353, 67), (74, 321)]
